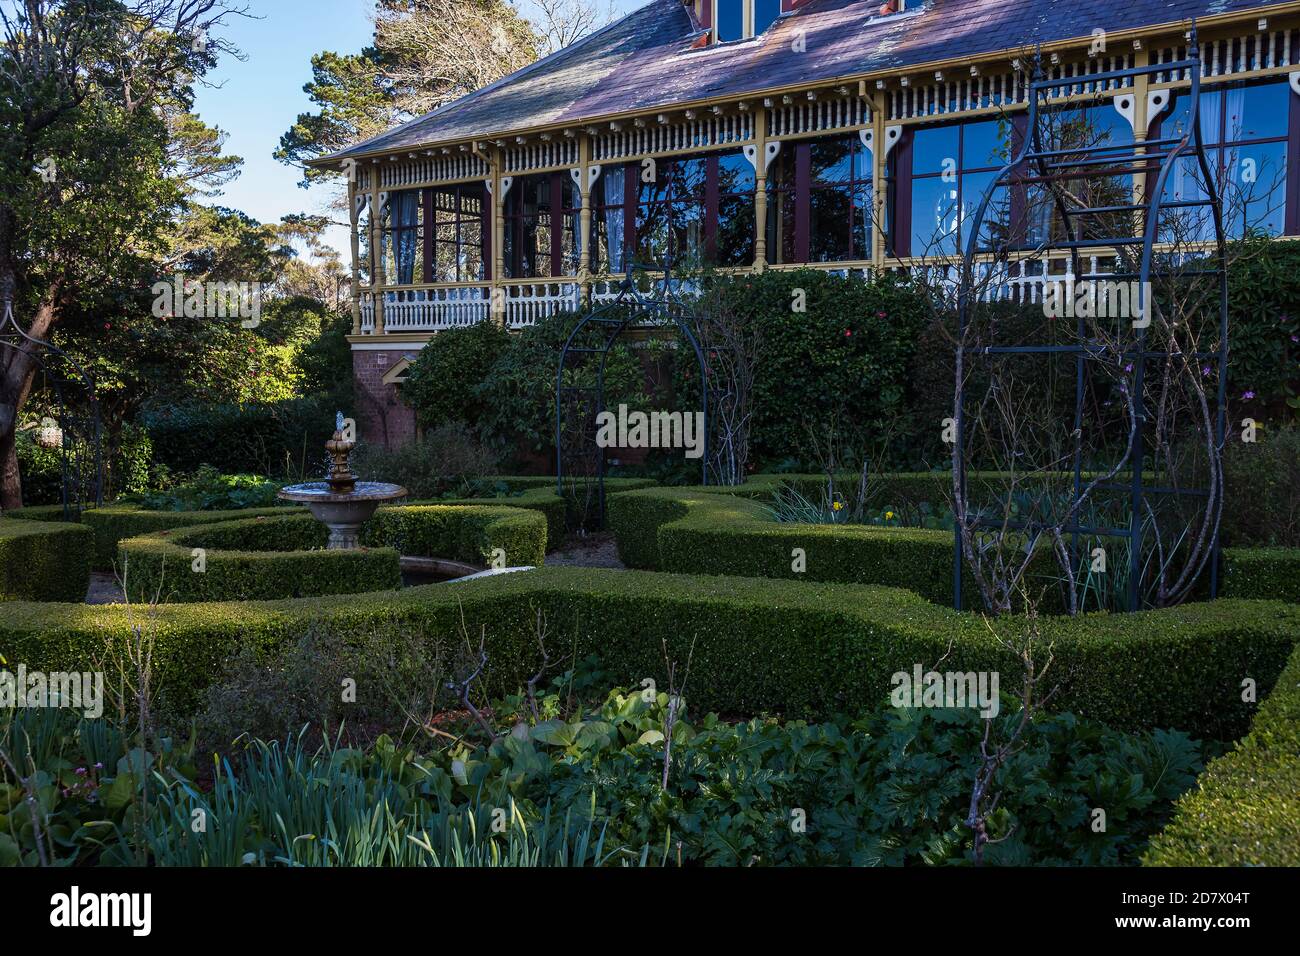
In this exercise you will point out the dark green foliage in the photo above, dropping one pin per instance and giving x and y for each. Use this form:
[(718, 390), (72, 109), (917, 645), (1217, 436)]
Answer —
[(44, 561), (42, 471), (447, 461), (844, 360), (799, 650), (1264, 326), (266, 558), (1245, 810), (255, 559), (210, 490), (517, 396), (443, 382), (115, 523), (1263, 489), (278, 438), (1272, 574)]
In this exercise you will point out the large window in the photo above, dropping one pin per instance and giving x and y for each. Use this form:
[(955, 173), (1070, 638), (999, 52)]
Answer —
[(1245, 130), (688, 211), (542, 227), (457, 230), (738, 19), (401, 240), (433, 235), (950, 168), (820, 202)]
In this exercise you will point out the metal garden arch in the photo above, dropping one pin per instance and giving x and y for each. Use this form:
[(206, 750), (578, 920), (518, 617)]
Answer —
[(1051, 169), (628, 311)]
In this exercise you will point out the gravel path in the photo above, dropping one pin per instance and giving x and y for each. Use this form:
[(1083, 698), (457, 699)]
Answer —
[(586, 551)]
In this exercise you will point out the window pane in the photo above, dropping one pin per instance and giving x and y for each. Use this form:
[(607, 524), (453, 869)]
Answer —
[(731, 19), (1186, 183), (832, 162), (765, 11), (1258, 112), (735, 242), (1174, 123), (984, 145), (862, 226), (830, 220), (735, 174), (932, 146), (687, 178), (934, 217), (1255, 192), (995, 227), (687, 233)]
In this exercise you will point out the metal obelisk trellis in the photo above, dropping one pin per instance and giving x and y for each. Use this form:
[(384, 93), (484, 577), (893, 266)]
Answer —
[(75, 412), (1053, 170), (628, 311)]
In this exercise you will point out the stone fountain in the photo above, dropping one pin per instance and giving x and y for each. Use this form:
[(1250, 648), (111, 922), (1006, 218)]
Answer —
[(341, 502)]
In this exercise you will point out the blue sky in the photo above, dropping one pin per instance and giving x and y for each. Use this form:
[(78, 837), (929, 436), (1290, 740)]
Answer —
[(257, 99)]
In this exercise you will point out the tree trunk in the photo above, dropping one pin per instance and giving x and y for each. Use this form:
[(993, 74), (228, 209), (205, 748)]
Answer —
[(17, 371)]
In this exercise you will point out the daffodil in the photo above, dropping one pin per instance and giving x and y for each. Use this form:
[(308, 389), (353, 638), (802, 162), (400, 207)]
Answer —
[(889, 516), (837, 506)]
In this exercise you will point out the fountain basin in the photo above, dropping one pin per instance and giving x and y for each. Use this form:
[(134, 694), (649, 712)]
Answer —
[(344, 513)]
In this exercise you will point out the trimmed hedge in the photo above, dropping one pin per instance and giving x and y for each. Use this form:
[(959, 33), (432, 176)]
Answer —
[(282, 556), (708, 531), (800, 650), (1245, 810), (116, 523), (1266, 573), (263, 558), (44, 561)]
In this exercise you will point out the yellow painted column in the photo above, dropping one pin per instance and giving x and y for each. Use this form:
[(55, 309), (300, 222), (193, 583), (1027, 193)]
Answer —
[(584, 217), (879, 193), (498, 238), (356, 253), (376, 251), (1141, 86), (760, 189)]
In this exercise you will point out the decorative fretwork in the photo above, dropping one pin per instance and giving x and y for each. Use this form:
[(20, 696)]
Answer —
[(961, 93), (1240, 54), (450, 167), (655, 137), (542, 155), (790, 119)]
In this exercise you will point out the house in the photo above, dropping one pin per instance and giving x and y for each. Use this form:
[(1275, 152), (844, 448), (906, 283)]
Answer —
[(848, 135)]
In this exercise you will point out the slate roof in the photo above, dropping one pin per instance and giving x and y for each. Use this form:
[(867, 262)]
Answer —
[(646, 59)]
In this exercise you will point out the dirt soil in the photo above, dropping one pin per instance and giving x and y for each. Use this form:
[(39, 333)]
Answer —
[(586, 551)]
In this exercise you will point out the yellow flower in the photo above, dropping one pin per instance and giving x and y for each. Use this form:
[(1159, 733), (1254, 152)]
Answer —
[(889, 516), (838, 506)]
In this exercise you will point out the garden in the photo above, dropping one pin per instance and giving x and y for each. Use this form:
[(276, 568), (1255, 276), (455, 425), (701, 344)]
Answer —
[(797, 566), (701, 675)]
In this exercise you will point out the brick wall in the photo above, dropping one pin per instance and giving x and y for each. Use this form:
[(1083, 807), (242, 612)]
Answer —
[(382, 417)]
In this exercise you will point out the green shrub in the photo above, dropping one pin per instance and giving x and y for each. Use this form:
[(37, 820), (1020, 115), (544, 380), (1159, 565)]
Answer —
[(1245, 810), (262, 439), (41, 469), (1263, 482), (443, 383), (800, 650), (254, 559), (44, 560), (272, 557), (446, 462), (210, 490), (691, 531), (115, 523), (1272, 574)]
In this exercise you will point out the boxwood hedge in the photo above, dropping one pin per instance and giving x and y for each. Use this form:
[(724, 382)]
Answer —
[(704, 531), (800, 650), (1268, 573), (280, 556), (1245, 810), (44, 560)]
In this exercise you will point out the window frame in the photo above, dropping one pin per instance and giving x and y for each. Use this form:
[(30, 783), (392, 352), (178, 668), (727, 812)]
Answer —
[(748, 19)]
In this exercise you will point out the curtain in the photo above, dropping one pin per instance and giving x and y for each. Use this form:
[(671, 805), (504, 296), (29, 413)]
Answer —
[(406, 220), (614, 184)]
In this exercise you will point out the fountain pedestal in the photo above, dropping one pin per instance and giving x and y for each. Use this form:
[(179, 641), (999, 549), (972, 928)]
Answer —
[(342, 503)]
